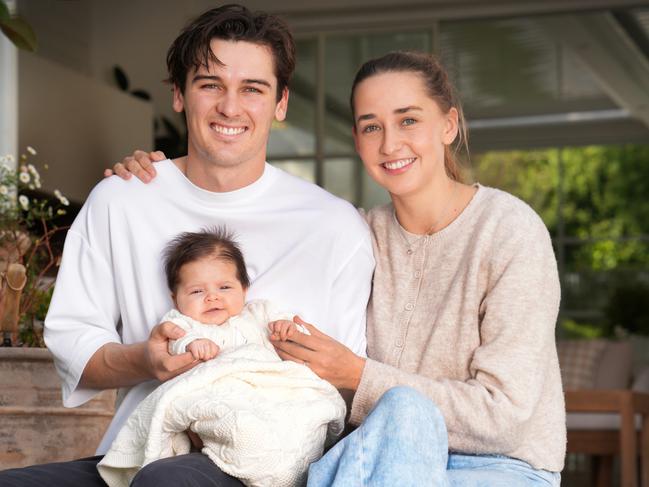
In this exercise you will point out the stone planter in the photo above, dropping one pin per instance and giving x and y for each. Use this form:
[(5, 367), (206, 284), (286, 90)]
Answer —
[(34, 425)]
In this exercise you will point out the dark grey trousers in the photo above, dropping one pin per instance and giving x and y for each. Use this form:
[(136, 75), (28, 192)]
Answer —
[(191, 470)]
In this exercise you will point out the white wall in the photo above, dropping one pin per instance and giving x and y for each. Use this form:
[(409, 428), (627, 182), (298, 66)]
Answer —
[(78, 125), (136, 35), (63, 30)]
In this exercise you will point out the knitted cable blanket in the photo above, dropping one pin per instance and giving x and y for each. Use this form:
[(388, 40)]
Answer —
[(261, 419)]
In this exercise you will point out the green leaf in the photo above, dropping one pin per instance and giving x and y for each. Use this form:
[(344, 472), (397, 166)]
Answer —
[(20, 33), (4, 12)]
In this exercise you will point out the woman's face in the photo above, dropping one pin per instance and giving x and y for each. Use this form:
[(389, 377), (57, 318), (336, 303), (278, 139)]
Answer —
[(400, 132)]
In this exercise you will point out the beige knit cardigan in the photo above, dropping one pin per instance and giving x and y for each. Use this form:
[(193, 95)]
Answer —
[(468, 319)]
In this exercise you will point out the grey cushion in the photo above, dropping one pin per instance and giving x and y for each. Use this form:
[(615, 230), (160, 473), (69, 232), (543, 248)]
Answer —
[(615, 366)]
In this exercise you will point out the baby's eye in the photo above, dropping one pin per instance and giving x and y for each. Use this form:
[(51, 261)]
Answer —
[(196, 291), (370, 128), (226, 287), (408, 121)]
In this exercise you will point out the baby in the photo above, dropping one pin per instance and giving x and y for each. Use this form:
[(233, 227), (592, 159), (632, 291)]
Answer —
[(207, 277), (260, 419)]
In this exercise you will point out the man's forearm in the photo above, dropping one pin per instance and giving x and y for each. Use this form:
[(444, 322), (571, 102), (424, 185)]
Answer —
[(116, 365)]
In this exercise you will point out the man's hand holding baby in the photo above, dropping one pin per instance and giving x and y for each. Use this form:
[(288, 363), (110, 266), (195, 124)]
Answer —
[(162, 365)]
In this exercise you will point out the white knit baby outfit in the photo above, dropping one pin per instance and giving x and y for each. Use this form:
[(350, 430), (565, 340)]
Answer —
[(261, 419)]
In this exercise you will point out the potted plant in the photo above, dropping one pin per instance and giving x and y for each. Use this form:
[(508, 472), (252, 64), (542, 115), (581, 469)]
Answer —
[(34, 427)]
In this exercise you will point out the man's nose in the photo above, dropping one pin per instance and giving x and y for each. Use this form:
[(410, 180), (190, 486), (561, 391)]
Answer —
[(229, 104)]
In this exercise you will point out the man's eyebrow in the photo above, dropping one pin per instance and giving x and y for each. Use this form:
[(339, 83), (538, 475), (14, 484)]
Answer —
[(257, 82), (202, 77), (397, 111)]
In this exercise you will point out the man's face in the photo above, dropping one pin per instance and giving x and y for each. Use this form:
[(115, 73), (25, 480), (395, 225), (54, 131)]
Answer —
[(230, 107)]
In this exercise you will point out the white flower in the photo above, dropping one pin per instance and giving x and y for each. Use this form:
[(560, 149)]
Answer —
[(60, 211), (24, 177), (9, 158), (31, 150), (32, 187), (24, 201), (4, 190), (37, 183), (33, 170), (61, 198)]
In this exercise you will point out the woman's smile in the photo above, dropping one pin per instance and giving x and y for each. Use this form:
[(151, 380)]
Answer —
[(398, 166)]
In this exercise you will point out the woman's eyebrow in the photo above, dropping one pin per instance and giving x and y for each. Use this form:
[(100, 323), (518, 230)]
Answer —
[(367, 116), (397, 111), (407, 109)]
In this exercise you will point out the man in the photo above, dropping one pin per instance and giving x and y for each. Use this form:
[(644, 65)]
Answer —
[(306, 250)]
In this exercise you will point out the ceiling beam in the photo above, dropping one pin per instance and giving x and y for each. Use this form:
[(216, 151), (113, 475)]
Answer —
[(342, 15), (605, 48)]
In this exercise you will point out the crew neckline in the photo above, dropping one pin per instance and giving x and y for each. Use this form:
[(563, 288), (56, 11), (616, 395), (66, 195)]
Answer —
[(464, 214), (172, 176)]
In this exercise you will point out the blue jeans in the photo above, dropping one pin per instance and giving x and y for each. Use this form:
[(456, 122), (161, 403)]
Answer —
[(403, 441)]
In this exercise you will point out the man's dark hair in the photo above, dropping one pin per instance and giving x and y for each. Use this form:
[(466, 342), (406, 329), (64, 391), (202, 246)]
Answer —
[(189, 247), (191, 49)]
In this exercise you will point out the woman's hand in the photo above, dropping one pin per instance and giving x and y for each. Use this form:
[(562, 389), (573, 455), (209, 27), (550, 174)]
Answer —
[(139, 164), (330, 359)]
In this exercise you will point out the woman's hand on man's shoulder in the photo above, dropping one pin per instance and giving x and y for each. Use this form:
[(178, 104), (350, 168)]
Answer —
[(140, 165)]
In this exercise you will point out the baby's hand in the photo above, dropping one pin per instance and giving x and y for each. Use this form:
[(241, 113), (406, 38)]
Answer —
[(282, 329), (203, 349)]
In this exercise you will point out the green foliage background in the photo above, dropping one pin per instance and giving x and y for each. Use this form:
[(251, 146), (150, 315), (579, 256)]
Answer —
[(601, 225)]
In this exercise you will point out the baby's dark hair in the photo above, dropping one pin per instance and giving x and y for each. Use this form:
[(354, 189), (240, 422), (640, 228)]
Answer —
[(189, 247)]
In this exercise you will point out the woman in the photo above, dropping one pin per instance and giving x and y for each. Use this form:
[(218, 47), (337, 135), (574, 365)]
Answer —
[(462, 383)]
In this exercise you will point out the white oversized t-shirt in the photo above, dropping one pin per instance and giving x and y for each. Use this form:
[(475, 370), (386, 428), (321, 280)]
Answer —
[(306, 250)]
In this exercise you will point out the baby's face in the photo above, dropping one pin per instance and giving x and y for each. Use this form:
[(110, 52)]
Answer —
[(209, 291)]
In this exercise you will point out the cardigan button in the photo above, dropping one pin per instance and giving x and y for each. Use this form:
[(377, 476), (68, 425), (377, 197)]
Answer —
[(410, 306)]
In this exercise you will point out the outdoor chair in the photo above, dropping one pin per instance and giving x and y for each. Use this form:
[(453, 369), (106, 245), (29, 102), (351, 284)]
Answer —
[(607, 408)]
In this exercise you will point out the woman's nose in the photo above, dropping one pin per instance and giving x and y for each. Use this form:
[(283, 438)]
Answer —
[(390, 143)]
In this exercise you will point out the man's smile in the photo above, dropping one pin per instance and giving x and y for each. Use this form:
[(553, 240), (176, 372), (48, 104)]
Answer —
[(229, 131)]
